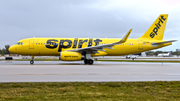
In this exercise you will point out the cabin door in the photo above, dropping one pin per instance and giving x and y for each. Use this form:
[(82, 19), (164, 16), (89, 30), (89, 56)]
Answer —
[(31, 44), (140, 45)]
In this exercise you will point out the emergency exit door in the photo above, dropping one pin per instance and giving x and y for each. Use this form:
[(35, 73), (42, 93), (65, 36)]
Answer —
[(140, 45), (31, 44)]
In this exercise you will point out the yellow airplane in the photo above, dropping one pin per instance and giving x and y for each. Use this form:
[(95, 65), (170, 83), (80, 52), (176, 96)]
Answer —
[(74, 49)]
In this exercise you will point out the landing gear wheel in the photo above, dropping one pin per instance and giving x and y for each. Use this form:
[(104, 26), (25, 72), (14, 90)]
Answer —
[(85, 61), (31, 62), (90, 61)]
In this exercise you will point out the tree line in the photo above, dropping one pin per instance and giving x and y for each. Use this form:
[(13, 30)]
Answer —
[(5, 50)]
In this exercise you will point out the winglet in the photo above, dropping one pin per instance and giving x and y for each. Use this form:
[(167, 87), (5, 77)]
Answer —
[(125, 37)]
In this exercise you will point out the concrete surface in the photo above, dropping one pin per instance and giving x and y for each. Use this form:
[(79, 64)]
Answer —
[(58, 71)]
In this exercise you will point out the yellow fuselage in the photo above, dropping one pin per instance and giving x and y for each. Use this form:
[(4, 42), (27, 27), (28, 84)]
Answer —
[(53, 46)]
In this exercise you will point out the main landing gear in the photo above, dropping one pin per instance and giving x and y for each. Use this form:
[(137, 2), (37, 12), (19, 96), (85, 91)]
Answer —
[(32, 60), (88, 59)]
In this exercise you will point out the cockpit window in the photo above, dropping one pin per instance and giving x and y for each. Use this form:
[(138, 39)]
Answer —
[(19, 43)]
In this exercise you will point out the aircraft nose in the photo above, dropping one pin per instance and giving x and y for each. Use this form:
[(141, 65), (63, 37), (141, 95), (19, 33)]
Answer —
[(12, 49)]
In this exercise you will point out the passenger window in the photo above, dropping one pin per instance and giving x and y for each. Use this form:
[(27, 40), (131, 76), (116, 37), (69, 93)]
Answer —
[(21, 43)]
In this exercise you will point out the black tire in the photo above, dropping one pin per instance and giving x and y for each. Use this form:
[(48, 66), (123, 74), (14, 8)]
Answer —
[(31, 62), (90, 61), (85, 61)]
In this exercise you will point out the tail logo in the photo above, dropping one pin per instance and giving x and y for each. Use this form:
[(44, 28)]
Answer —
[(158, 26)]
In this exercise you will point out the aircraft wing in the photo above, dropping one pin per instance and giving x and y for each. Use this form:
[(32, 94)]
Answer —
[(159, 43), (94, 49)]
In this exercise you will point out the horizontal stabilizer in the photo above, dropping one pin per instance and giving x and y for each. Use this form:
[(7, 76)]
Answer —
[(159, 43)]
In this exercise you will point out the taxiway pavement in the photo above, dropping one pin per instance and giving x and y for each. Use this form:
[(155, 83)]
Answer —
[(58, 71)]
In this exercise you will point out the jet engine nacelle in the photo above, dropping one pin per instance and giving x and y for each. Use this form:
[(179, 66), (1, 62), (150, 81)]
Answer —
[(70, 56)]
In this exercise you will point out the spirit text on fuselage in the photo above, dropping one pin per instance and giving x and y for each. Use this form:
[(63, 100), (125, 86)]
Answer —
[(53, 43)]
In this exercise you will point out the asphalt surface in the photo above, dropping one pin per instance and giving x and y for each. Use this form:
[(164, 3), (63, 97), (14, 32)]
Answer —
[(140, 58), (144, 59), (58, 71)]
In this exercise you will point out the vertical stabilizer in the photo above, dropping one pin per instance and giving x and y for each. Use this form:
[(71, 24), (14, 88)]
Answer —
[(156, 31), (170, 53)]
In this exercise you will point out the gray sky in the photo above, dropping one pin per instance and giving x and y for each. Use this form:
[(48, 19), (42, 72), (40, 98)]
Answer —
[(21, 19)]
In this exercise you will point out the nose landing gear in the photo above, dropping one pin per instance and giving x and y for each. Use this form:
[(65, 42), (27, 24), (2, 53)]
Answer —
[(32, 60)]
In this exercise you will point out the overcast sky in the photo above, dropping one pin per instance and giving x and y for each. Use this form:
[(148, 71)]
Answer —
[(21, 19)]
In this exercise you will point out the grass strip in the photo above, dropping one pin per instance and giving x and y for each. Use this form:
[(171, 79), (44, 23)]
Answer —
[(90, 91)]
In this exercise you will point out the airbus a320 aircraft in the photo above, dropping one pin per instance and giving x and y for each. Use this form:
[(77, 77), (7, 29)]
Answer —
[(74, 49)]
